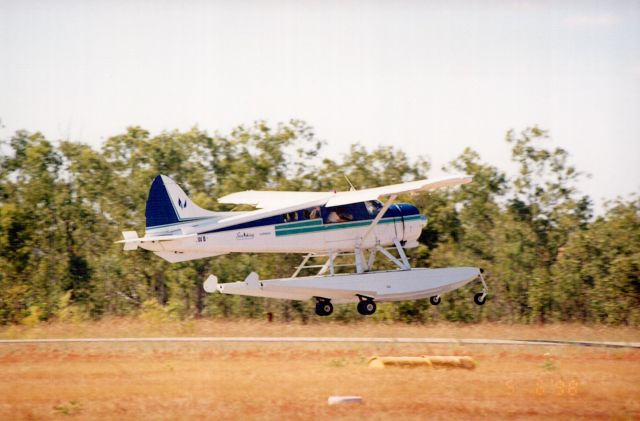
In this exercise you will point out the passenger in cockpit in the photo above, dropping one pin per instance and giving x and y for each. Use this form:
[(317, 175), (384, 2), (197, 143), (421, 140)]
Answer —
[(312, 213)]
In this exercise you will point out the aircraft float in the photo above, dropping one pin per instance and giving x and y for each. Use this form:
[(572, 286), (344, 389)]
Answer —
[(321, 225)]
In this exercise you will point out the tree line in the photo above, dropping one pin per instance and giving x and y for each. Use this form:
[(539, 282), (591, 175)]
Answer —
[(64, 203)]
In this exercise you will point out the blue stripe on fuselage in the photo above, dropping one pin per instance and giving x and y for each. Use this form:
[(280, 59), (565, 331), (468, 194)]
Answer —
[(287, 227), (397, 210), (271, 220)]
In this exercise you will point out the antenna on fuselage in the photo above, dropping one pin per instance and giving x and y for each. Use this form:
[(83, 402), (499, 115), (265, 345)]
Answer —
[(351, 188)]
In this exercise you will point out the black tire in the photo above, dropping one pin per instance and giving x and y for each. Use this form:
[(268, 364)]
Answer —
[(324, 308), (480, 298), (435, 300), (367, 307), (328, 308), (371, 307)]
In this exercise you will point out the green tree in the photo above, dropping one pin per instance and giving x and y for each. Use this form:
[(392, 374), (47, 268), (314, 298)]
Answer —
[(63, 204)]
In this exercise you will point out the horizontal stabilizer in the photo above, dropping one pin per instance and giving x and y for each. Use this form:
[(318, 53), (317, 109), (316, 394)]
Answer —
[(137, 240), (131, 240)]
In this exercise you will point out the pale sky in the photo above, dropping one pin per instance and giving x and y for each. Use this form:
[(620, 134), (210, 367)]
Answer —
[(429, 77)]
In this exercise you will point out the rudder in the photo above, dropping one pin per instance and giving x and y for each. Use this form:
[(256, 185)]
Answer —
[(168, 204)]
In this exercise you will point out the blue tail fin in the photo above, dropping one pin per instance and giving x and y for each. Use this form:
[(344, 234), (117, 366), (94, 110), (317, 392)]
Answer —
[(160, 210), (168, 204)]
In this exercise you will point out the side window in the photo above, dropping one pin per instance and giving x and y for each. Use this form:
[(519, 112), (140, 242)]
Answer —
[(311, 213), (290, 217), (339, 214)]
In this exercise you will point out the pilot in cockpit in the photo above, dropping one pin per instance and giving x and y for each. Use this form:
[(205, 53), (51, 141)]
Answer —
[(339, 215)]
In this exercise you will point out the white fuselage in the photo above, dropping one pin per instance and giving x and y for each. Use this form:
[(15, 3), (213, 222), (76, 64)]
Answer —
[(308, 236)]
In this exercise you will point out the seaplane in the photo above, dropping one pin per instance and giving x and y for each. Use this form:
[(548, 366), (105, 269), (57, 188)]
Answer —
[(332, 230)]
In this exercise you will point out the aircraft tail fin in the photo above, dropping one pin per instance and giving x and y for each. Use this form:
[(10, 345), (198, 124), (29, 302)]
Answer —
[(168, 204)]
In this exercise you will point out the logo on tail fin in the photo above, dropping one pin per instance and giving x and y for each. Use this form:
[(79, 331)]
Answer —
[(165, 200)]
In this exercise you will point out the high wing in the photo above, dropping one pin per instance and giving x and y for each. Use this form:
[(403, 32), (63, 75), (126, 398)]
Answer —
[(285, 199), (345, 198), (273, 199)]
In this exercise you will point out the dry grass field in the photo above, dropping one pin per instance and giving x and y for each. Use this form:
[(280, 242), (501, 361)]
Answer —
[(161, 381)]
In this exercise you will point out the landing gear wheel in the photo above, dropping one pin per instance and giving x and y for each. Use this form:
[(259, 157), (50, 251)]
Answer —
[(367, 307), (324, 308), (435, 300), (480, 298)]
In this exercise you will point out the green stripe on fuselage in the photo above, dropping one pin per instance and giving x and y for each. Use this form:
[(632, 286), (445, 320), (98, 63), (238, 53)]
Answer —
[(340, 225)]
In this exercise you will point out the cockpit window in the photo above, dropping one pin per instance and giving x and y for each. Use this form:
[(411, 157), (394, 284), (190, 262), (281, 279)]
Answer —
[(312, 213), (339, 214), (290, 217), (373, 207)]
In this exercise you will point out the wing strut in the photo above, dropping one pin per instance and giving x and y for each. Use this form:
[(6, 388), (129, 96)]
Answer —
[(403, 256), (302, 265), (402, 264), (361, 264)]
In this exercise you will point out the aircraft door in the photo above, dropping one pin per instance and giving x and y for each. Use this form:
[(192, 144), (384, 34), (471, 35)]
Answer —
[(343, 225), (398, 224)]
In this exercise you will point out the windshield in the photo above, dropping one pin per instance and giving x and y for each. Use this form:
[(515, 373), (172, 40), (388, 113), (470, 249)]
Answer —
[(373, 207)]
